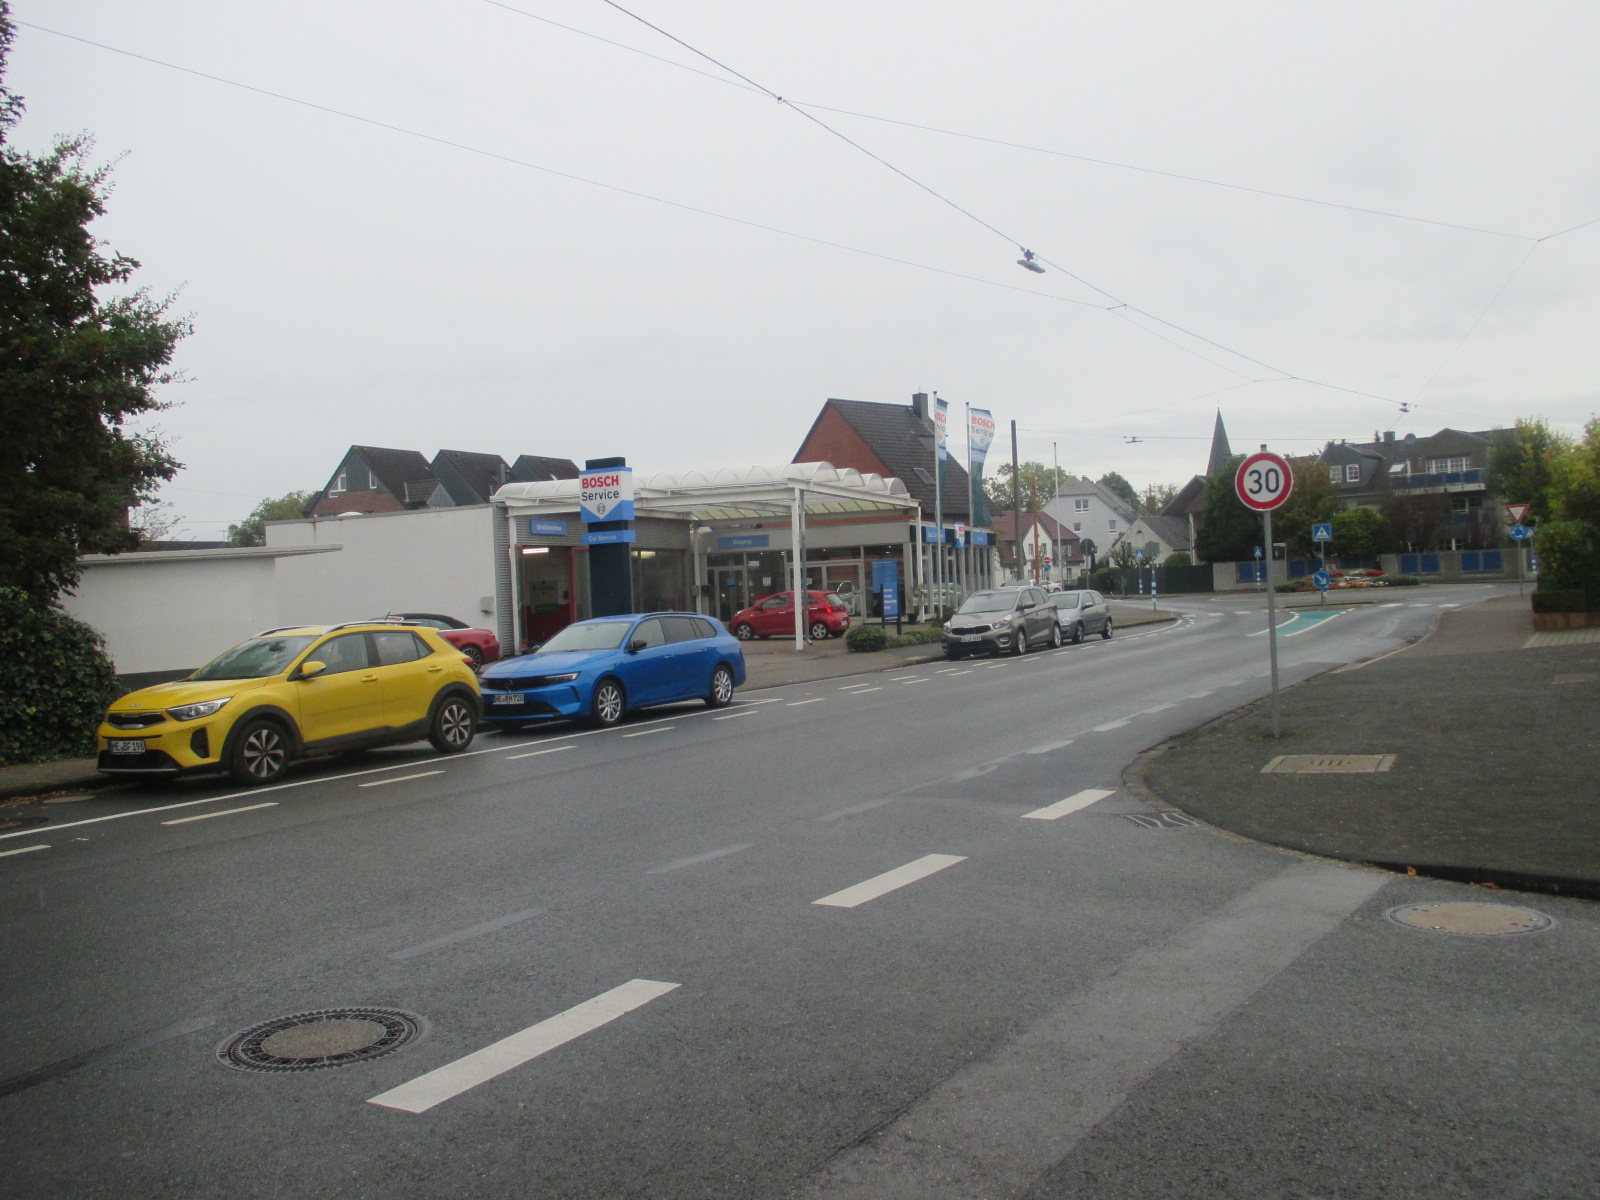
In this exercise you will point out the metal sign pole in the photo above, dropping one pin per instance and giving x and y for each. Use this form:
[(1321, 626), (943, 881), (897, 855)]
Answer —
[(1272, 628)]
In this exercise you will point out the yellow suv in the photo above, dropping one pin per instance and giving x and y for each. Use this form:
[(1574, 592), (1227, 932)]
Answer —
[(287, 693)]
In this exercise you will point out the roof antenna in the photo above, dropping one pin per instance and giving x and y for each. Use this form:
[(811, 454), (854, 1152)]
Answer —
[(1027, 261)]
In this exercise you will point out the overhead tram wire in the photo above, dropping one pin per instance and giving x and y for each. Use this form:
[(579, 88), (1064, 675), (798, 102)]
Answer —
[(532, 166)]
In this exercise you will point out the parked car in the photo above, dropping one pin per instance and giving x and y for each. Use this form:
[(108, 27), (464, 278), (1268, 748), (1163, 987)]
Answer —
[(601, 668), (480, 645), (288, 693), (826, 616), (1081, 611), (998, 620)]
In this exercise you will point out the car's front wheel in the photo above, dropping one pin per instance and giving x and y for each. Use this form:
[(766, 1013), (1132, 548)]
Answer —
[(1106, 632), (743, 632), (260, 754), (1077, 633), (454, 724), (721, 693), (1019, 640), (610, 703)]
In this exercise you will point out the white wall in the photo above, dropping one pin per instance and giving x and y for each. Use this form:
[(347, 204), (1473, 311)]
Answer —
[(424, 560), (173, 610)]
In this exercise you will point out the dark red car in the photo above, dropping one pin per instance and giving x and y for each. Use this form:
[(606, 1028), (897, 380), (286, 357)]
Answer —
[(771, 616), (480, 645)]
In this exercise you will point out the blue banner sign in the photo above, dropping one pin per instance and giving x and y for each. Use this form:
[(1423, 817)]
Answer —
[(886, 580), (538, 528), (610, 537), (1322, 531), (744, 541), (930, 534), (981, 537)]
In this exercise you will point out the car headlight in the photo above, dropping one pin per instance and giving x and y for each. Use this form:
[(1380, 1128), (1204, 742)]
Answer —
[(568, 678), (193, 712), (1002, 622)]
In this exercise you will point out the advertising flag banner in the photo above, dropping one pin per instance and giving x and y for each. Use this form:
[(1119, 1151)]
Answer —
[(941, 425), (980, 434)]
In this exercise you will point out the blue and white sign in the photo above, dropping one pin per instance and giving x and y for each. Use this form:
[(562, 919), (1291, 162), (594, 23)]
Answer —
[(886, 580), (1322, 532), (606, 495), (1322, 579), (1258, 551), (538, 528), (981, 537), (1521, 533), (744, 541), (610, 537), (959, 532), (930, 534)]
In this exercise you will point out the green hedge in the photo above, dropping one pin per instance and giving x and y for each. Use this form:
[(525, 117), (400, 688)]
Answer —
[(1562, 600), (864, 639), (1401, 581), (55, 682)]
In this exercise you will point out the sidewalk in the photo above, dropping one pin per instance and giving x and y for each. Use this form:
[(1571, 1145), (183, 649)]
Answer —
[(767, 664), (1493, 729)]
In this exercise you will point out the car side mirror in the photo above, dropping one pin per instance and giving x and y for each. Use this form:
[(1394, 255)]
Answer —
[(309, 669), (637, 645)]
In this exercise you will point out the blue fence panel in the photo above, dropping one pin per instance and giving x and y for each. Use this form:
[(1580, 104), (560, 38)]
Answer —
[(1493, 561), (1430, 564), (1246, 572), (1470, 560), (1409, 564)]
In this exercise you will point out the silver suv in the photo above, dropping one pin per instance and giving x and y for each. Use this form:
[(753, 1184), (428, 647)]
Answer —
[(1001, 620)]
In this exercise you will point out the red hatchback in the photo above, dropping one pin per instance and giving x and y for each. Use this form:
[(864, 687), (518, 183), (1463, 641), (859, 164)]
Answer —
[(771, 616)]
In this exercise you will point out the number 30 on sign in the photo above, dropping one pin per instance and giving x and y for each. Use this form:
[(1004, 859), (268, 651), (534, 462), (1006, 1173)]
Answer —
[(1264, 481)]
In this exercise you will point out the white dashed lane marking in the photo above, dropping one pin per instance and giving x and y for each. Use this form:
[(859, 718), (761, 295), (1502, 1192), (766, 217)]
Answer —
[(21, 850), (536, 753), (1070, 805), (880, 885), (383, 782), (228, 812)]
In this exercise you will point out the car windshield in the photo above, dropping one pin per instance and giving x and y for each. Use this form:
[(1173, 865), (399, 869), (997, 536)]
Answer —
[(981, 602), (256, 659), (1067, 599), (602, 635)]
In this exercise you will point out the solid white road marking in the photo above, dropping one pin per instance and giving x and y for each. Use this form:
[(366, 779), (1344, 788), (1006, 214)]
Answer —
[(856, 809), (399, 779), (228, 812), (1070, 805), (880, 885), (450, 1080), (1110, 725), (731, 716), (21, 850), (536, 753), (699, 858), (647, 732), (797, 703), (1048, 747)]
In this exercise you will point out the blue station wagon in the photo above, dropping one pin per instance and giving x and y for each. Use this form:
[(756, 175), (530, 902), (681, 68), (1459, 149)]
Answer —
[(601, 668)]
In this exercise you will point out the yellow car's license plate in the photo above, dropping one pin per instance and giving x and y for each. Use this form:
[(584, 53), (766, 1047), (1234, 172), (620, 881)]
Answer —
[(127, 746)]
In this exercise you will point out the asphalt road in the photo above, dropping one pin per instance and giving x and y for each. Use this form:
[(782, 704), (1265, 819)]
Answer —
[(902, 934)]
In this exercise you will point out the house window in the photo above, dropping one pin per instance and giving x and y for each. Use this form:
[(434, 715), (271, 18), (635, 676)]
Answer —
[(1112, 527), (1081, 504), (372, 482), (1077, 527), (338, 484), (1352, 473), (1441, 466), (1336, 474)]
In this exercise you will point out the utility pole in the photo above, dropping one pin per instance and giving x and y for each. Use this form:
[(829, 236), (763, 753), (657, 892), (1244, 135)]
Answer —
[(1035, 489), (1016, 501)]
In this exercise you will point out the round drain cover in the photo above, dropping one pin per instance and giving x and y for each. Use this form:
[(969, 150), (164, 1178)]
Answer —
[(1480, 920), (332, 1037)]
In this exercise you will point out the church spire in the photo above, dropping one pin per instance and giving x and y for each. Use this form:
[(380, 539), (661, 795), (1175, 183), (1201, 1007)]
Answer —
[(1220, 451)]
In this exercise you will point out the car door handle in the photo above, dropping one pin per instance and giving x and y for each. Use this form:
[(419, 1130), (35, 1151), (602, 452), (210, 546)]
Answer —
[(435, 669), (369, 679)]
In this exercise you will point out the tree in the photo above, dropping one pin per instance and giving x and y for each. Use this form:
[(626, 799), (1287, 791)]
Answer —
[(252, 530), (77, 368), (1413, 523), (1120, 488), (1311, 500), (1227, 530), (1156, 497), (1048, 479), (154, 521), (1356, 530), (1523, 465)]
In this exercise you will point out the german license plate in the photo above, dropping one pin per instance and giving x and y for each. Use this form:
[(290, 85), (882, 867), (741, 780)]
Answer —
[(127, 746), (972, 637), (509, 698)]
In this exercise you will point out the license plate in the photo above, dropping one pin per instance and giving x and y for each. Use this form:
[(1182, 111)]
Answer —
[(510, 698), (972, 637), (127, 746)]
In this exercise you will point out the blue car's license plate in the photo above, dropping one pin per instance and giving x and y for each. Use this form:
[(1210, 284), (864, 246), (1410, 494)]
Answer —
[(509, 698)]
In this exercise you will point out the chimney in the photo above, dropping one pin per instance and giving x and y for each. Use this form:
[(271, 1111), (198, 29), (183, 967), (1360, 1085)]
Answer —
[(919, 405), (1388, 437)]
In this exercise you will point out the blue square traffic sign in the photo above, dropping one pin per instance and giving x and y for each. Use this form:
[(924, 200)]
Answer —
[(1322, 532)]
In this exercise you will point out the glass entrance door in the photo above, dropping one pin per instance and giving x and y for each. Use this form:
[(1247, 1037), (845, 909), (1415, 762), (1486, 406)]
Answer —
[(731, 590)]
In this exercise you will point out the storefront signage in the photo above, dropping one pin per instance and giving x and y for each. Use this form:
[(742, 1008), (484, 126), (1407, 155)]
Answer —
[(606, 495), (538, 528), (960, 534), (610, 537), (980, 537), (886, 582), (930, 534), (744, 541)]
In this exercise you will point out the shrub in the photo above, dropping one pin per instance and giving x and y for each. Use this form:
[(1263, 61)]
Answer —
[(1400, 581), (1567, 553), (1178, 558), (55, 681), (1563, 601), (1292, 586), (912, 637), (864, 639)]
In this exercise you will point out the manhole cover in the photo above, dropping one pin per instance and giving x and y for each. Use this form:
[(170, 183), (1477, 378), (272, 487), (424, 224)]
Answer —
[(1165, 820), (1479, 920), (1328, 764), (333, 1037)]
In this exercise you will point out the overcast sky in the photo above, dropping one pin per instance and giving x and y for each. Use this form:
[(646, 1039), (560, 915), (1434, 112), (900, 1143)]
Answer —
[(618, 255)]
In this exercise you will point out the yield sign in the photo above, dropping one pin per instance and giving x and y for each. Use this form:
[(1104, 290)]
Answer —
[(1517, 512)]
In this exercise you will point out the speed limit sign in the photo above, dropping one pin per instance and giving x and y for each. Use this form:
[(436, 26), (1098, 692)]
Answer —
[(1264, 481)]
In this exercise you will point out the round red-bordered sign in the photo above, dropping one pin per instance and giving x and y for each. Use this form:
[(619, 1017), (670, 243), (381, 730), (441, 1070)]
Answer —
[(1264, 481)]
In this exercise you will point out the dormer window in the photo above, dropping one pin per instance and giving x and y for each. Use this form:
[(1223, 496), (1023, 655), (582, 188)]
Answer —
[(1352, 473), (338, 485), (1336, 474)]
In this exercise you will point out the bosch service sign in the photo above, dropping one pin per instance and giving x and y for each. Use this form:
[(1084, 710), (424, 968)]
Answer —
[(606, 495)]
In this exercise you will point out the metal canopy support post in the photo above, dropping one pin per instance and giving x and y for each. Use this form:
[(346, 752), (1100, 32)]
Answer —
[(797, 558), (1272, 627)]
